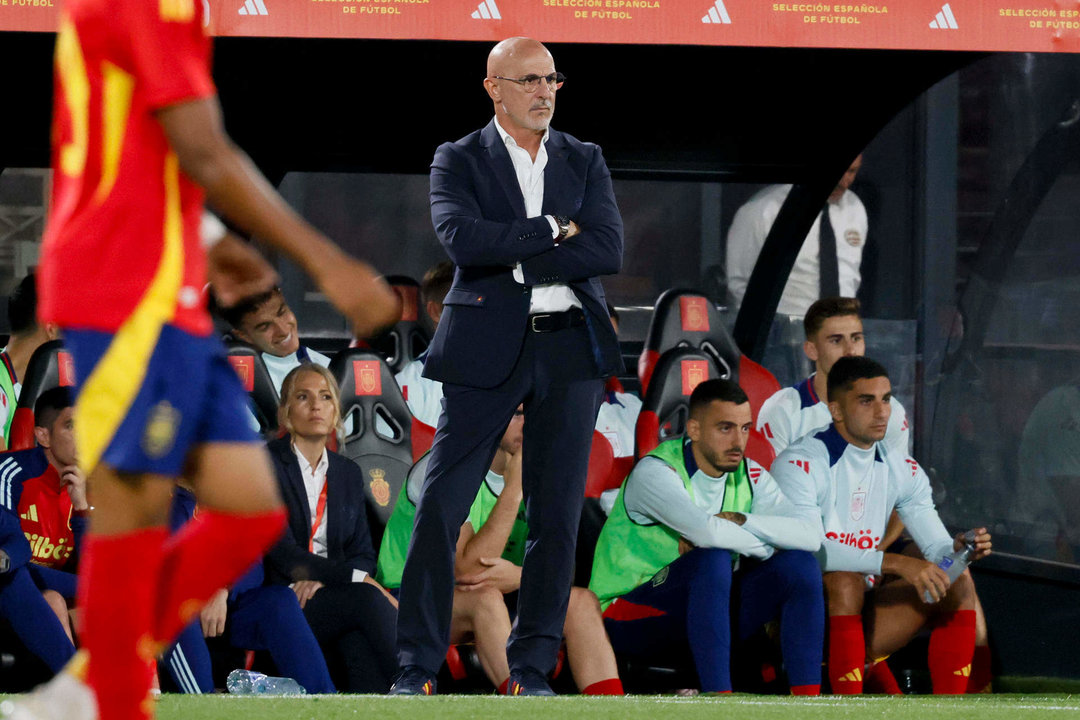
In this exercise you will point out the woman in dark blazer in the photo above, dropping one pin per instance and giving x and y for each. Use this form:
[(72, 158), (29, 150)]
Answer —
[(327, 556)]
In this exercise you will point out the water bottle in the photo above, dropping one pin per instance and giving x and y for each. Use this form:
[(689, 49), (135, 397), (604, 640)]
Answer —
[(247, 682), (956, 562)]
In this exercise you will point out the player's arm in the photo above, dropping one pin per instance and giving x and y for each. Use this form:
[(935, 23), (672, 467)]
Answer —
[(744, 241), (469, 239), (235, 187), (598, 246), (654, 493), (489, 541), (791, 523), (774, 421)]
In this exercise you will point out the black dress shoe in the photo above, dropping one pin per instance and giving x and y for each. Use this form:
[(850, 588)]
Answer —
[(528, 682), (413, 680)]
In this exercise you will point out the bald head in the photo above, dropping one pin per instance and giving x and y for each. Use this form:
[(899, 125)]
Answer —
[(502, 57), (523, 110)]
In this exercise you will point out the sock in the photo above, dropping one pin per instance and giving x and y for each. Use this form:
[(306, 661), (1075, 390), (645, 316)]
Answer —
[(611, 686), (880, 679), (981, 674), (952, 645), (118, 579), (847, 654), (805, 689), (208, 553), (503, 685)]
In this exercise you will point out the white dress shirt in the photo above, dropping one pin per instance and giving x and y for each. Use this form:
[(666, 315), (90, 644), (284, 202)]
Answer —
[(553, 297), (314, 480), (751, 226)]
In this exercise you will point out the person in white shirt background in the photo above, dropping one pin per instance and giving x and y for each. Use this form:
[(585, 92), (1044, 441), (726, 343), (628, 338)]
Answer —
[(848, 225)]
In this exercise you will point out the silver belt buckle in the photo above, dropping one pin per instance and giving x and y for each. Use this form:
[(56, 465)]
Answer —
[(532, 321)]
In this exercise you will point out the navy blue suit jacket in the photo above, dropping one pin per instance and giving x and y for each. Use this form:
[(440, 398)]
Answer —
[(479, 216), (348, 537)]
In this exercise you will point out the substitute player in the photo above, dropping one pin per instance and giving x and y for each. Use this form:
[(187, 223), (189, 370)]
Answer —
[(137, 131), (856, 480)]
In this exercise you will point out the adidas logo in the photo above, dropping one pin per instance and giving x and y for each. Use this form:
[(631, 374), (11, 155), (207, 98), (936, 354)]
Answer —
[(717, 14), (253, 7), (944, 20), (32, 516), (487, 10), (964, 671), (853, 676)]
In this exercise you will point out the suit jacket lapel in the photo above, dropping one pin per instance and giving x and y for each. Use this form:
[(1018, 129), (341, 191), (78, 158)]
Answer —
[(296, 484), (559, 178), (498, 159)]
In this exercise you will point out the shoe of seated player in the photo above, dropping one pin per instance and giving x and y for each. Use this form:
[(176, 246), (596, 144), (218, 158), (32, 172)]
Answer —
[(413, 680), (527, 681), (65, 697)]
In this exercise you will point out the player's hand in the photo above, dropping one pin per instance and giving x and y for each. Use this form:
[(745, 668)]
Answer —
[(685, 546), (212, 617), (236, 271), (735, 517), (360, 294), (978, 537), (499, 573), (371, 581), (305, 589), (74, 480), (929, 580)]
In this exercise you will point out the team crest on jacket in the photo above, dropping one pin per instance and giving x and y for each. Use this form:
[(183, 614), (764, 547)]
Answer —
[(853, 238), (661, 576), (858, 505), (380, 489)]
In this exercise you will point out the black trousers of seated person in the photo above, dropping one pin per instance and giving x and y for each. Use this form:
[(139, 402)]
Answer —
[(355, 626)]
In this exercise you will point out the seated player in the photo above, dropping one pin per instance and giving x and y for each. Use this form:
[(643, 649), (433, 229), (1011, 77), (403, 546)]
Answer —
[(487, 566), (423, 395), (326, 555), (266, 322), (47, 490), (834, 330), (856, 480), (696, 521), (248, 615), (27, 335)]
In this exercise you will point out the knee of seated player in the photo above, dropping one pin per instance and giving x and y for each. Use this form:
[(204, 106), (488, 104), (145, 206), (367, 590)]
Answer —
[(280, 603), (961, 595), (844, 592), (478, 607), (56, 603), (711, 563), (804, 572)]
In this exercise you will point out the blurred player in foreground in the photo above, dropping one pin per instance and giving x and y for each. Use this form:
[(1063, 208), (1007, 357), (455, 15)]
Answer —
[(137, 139)]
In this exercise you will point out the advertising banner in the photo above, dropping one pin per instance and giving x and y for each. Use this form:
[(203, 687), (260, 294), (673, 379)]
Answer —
[(983, 25)]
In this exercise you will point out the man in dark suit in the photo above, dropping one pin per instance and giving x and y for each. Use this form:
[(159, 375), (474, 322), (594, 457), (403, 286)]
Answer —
[(529, 218)]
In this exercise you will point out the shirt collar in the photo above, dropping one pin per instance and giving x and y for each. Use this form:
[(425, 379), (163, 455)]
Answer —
[(305, 466), (511, 142)]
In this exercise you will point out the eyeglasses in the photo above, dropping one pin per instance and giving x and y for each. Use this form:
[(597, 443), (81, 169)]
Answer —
[(531, 83)]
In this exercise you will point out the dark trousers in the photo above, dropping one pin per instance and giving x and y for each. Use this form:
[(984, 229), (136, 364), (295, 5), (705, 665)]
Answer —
[(263, 618), (354, 624), (556, 378), (33, 621), (688, 604)]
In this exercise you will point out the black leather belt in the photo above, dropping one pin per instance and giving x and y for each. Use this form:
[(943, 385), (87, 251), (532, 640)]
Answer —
[(550, 322)]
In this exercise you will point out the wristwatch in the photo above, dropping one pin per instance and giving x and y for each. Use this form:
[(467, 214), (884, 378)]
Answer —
[(564, 227)]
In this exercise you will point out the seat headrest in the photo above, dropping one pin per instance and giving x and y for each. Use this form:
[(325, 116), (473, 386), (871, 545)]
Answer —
[(687, 317), (249, 366)]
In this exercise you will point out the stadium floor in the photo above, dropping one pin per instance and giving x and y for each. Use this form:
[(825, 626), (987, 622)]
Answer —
[(742, 707)]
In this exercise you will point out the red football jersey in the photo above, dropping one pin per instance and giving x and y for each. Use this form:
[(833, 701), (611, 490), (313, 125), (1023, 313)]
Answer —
[(123, 230), (45, 516)]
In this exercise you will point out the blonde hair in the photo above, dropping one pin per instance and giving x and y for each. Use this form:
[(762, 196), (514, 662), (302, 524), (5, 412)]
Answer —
[(289, 383)]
